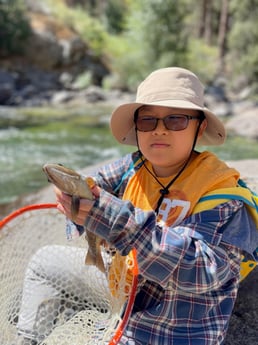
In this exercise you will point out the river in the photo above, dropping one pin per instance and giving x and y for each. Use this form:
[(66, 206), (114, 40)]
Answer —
[(76, 138)]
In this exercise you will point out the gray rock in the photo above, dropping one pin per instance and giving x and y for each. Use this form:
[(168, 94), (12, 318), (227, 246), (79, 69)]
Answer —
[(7, 86), (58, 44), (245, 123), (37, 6), (61, 97), (243, 326), (93, 94)]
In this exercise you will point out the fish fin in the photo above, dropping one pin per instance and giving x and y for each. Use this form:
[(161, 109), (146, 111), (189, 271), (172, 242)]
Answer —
[(75, 205), (97, 261), (100, 263), (90, 259)]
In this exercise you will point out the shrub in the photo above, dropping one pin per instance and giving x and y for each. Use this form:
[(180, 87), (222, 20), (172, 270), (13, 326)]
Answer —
[(14, 27)]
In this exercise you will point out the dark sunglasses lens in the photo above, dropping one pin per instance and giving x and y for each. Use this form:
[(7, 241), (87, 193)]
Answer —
[(146, 124), (176, 123), (171, 122)]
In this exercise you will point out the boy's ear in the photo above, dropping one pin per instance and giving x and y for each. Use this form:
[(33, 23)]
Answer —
[(202, 128)]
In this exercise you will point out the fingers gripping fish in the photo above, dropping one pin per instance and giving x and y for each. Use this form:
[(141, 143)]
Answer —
[(75, 185)]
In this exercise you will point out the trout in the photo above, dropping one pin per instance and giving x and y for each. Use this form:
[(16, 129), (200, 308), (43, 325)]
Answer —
[(75, 185)]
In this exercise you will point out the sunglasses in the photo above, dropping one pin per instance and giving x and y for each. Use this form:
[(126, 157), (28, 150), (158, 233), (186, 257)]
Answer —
[(171, 122)]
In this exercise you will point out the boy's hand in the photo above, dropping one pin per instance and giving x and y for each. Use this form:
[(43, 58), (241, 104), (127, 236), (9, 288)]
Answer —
[(64, 205)]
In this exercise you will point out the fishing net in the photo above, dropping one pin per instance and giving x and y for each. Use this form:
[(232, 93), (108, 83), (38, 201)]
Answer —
[(47, 293)]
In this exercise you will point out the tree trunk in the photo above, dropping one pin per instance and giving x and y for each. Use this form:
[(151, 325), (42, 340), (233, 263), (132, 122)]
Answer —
[(201, 23), (222, 35), (208, 22)]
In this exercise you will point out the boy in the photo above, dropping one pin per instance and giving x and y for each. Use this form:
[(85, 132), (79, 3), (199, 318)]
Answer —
[(188, 255)]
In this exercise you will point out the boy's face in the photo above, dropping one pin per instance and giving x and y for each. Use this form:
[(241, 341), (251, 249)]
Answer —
[(167, 149)]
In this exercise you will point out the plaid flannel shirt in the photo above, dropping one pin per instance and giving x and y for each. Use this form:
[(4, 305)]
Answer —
[(189, 276)]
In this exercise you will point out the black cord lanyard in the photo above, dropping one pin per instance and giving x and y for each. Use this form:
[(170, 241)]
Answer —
[(165, 189)]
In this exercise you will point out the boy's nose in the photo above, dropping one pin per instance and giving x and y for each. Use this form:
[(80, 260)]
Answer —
[(160, 127)]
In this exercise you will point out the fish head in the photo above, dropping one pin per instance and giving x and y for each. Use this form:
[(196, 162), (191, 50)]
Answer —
[(67, 180)]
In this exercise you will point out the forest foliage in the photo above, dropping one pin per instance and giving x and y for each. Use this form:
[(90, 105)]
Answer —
[(213, 38)]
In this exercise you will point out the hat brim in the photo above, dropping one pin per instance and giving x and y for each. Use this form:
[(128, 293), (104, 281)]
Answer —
[(123, 127)]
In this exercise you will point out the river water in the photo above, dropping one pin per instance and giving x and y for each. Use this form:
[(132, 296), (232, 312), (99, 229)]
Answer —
[(75, 138)]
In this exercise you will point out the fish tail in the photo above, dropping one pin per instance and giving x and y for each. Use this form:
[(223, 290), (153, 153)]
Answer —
[(90, 259), (100, 263), (97, 261)]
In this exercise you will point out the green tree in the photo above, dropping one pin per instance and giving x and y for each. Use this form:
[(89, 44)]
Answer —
[(115, 13), (243, 41), (155, 36), (14, 27), (164, 29)]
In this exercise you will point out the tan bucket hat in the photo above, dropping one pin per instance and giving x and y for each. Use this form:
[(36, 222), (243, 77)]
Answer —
[(169, 87)]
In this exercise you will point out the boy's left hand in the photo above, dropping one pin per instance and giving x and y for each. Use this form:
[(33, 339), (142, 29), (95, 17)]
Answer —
[(64, 205)]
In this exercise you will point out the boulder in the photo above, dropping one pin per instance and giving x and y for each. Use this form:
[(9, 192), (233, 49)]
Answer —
[(243, 326), (7, 85), (58, 44), (244, 123)]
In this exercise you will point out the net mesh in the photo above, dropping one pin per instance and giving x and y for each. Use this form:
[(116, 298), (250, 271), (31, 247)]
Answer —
[(47, 293)]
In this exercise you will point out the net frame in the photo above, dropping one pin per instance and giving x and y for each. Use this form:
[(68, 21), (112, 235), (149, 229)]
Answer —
[(11, 230)]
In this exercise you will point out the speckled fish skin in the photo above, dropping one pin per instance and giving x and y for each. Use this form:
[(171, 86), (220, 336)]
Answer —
[(73, 184), (68, 180), (94, 256)]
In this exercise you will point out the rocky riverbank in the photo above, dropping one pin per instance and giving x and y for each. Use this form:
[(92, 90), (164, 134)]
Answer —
[(67, 73)]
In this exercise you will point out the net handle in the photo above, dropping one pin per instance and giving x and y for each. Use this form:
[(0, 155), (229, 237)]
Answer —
[(24, 209), (121, 327)]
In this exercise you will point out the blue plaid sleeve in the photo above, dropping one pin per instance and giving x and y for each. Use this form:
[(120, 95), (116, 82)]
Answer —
[(180, 255)]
